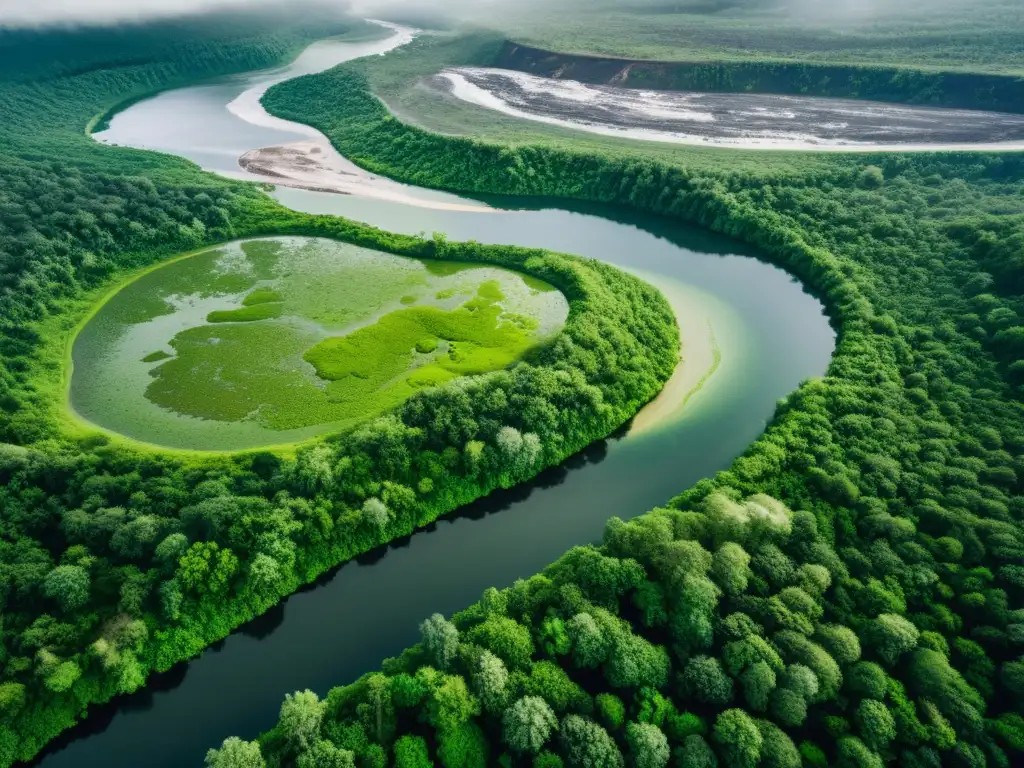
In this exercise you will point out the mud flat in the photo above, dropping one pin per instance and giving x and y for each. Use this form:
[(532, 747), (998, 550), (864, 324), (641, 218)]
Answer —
[(315, 165), (747, 121)]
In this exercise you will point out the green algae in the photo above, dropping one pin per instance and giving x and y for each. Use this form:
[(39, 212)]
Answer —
[(275, 341), (247, 314)]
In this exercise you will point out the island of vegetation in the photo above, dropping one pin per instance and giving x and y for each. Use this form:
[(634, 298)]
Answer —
[(849, 593), (118, 559)]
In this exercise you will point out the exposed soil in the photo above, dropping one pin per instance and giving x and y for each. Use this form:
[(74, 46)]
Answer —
[(315, 165), (756, 121)]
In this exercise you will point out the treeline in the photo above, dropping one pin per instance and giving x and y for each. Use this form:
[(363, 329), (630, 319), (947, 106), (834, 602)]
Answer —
[(902, 85), (848, 593), (116, 561)]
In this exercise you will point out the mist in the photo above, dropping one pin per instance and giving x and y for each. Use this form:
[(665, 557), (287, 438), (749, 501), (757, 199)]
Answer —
[(35, 13)]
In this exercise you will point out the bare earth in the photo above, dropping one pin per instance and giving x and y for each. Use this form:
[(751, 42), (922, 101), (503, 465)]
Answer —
[(738, 120), (317, 166)]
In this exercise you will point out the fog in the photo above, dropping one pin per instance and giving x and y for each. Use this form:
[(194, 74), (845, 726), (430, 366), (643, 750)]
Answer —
[(20, 13), (29, 13)]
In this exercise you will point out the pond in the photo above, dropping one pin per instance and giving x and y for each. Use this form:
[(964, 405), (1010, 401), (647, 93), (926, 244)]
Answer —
[(274, 341)]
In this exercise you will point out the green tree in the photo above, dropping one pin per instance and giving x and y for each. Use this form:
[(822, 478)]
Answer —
[(648, 746), (299, 722), (68, 585), (235, 753), (491, 680), (411, 752), (528, 724), (890, 636), (695, 753), (590, 645), (588, 745), (739, 739), (440, 638), (705, 680), (758, 681), (777, 749), (877, 727)]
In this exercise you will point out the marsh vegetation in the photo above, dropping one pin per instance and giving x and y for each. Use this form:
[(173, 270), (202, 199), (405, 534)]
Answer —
[(266, 342)]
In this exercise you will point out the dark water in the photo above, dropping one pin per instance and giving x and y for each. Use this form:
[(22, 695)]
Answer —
[(772, 335)]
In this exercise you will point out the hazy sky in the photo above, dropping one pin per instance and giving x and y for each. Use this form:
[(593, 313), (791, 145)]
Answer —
[(30, 12)]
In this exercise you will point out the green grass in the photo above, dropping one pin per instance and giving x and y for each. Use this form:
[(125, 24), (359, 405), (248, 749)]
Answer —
[(249, 314), (262, 296)]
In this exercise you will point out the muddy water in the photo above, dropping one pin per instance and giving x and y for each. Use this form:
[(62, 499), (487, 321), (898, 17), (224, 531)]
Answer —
[(748, 121), (751, 335)]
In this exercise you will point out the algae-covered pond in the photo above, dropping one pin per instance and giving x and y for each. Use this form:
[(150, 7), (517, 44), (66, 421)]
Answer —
[(267, 342)]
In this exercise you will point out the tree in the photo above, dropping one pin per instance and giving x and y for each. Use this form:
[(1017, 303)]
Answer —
[(376, 514), (451, 705), (411, 752), (801, 680), (867, 680), (68, 585), (611, 710), (648, 747), (705, 680), (730, 568), (777, 749), (463, 747), (852, 753), (300, 718), (171, 550), (235, 753), (739, 739), (207, 569), (528, 724), (440, 639), (758, 681), (695, 753), (875, 723), (324, 754), (840, 642), (891, 636), (590, 645), (588, 745), (634, 663), (788, 707), (507, 639), (491, 679)]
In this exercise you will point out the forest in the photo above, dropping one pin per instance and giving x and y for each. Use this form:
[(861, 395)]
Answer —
[(118, 560), (848, 593)]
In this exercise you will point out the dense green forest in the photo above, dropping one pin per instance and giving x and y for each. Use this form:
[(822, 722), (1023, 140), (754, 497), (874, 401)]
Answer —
[(848, 593), (117, 560), (953, 35)]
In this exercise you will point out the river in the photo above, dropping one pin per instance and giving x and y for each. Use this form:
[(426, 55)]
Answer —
[(751, 335)]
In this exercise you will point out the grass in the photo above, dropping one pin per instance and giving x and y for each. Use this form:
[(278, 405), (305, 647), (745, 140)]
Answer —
[(248, 314)]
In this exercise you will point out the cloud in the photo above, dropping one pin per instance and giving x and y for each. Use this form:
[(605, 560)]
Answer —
[(20, 13)]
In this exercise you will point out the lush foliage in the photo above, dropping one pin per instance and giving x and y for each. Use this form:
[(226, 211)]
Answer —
[(849, 592), (114, 560)]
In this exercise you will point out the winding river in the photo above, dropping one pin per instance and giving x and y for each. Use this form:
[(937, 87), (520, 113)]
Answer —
[(751, 335)]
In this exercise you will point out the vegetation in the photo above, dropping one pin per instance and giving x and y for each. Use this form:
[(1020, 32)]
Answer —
[(849, 592), (236, 380), (116, 560), (954, 35)]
